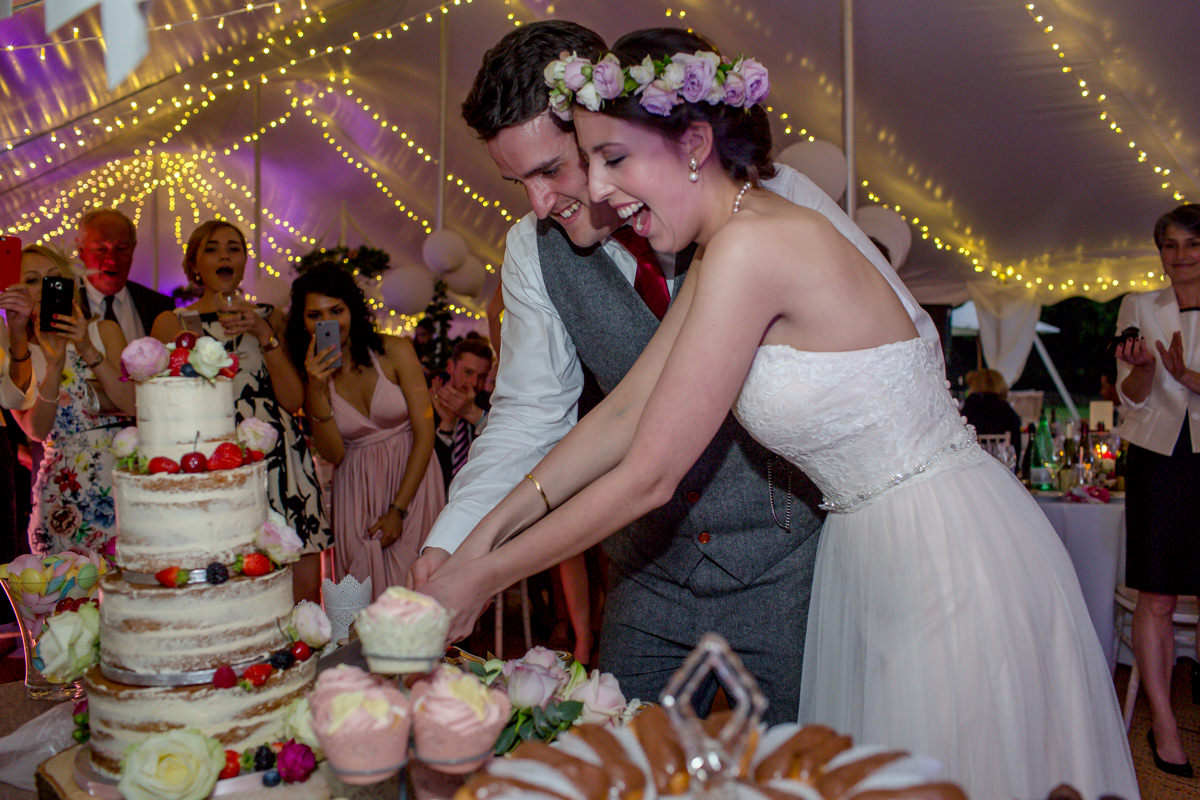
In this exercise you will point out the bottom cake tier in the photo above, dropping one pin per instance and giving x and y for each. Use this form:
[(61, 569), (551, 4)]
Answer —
[(120, 715)]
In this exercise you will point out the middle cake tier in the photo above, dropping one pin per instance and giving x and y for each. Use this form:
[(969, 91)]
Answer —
[(155, 634)]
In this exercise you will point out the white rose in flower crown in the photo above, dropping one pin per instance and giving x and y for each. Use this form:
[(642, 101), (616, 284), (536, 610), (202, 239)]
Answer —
[(588, 97), (643, 73), (257, 434), (601, 697), (297, 724), (312, 624), (69, 644), (277, 540), (125, 443), (209, 357), (175, 765)]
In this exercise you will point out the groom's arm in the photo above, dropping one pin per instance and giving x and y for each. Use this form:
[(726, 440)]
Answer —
[(535, 400)]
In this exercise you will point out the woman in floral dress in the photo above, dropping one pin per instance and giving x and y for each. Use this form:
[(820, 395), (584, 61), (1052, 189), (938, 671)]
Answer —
[(266, 387), (81, 403)]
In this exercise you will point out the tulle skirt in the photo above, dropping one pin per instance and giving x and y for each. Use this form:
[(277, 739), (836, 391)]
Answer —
[(946, 619)]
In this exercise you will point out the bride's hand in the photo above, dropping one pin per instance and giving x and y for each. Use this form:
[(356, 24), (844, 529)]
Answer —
[(457, 588)]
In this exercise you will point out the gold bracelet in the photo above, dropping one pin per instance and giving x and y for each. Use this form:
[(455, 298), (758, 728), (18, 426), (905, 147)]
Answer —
[(538, 486), (271, 344), (326, 418)]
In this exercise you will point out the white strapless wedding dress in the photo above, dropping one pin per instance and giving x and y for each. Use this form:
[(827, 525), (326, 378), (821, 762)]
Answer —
[(946, 617)]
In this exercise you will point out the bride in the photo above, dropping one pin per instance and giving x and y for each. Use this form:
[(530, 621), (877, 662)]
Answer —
[(946, 617)]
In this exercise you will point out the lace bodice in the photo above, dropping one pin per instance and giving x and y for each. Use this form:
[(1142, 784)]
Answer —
[(857, 423)]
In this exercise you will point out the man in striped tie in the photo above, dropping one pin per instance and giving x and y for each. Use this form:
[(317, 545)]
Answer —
[(459, 419)]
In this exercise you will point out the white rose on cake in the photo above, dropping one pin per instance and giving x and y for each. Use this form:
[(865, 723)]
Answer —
[(257, 434), (125, 443), (176, 765), (312, 624), (69, 643), (277, 540), (209, 357)]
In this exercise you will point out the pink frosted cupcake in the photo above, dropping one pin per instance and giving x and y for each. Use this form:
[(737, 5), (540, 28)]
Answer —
[(402, 631), (456, 720), (362, 724)]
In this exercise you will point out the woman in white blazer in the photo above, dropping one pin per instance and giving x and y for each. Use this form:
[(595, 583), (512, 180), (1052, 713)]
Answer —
[(1158, 379)]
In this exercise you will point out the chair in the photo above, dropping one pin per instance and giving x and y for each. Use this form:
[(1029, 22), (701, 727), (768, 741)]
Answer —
[(525, 618), (1184, 619), (999, 446)]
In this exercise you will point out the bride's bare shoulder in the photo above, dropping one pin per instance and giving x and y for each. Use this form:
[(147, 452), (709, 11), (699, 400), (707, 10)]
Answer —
[(771, 225)]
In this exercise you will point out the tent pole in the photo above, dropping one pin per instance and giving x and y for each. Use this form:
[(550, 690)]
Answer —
[(443, 71), (1054, 376), (848, 102), (156, 175), (258, 253)]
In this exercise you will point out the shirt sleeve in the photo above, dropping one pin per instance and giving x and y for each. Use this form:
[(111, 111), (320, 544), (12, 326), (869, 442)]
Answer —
[(10, 396), (535, 401)]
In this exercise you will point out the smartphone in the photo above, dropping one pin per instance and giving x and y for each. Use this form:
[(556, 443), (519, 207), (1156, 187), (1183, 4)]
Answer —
[(328, 334), (10, 261), (58, 297)]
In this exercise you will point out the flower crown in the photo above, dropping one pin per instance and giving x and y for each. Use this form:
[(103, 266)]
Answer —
[(660, 85)]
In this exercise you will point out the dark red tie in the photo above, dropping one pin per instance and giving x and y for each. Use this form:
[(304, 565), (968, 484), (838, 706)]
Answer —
[(648, 281)]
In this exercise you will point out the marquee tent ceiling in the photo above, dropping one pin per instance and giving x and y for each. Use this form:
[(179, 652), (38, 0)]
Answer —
[(991, 130)]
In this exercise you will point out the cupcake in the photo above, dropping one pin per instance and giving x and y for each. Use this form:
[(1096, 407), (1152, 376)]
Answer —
[(456, 720), (402, 631), (362, 724)]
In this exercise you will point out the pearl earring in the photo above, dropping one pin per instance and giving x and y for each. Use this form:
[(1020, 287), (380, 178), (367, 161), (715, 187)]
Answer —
[(694, 166)]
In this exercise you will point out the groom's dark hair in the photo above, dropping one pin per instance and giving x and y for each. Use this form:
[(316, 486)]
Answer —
[(509, 88)]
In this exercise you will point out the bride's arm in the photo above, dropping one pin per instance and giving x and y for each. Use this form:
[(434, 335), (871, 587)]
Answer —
[(648, 437)]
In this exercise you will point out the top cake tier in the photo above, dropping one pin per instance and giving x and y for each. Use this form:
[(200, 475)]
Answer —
[(173, 412)]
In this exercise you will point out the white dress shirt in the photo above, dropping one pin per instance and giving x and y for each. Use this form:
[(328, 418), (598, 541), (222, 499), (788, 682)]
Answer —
[(10, 396), (540, 378), (127, 317)]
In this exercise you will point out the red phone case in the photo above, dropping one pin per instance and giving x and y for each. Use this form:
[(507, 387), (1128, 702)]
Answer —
[(10, 261)]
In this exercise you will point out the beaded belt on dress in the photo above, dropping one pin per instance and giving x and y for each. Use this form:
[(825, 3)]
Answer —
[(849, 502)]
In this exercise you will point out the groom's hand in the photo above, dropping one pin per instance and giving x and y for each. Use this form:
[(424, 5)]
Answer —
[(424, 567)]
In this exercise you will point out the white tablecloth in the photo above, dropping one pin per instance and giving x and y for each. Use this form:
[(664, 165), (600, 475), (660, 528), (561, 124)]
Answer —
[(1094, 535)]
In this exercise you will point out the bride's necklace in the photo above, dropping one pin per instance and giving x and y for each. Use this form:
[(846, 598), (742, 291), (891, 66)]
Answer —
[(737, 201)]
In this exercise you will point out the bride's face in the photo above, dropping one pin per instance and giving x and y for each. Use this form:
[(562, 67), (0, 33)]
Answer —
[(643, 176)]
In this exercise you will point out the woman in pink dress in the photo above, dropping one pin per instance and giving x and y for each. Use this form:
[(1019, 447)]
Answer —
[(372, 419)]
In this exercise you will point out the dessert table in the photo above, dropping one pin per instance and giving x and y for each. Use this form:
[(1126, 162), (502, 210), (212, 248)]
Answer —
[(1094, 535)]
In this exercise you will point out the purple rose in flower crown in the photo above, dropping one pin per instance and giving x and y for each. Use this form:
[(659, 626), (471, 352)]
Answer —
[(144, 358), (573, 75), (277, 540), (735, 90), (257, 434), (658, 98), (699, 72), (608, 77), (757, 85)]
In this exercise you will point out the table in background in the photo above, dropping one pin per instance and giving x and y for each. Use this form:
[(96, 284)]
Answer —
[(1094, 535)]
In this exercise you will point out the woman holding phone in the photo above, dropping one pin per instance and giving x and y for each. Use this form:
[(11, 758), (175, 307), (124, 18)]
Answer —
[(266, 386), (372, 418), (80, 403)]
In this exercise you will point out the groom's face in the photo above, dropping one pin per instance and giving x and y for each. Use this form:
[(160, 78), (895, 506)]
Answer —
[(547, 163)]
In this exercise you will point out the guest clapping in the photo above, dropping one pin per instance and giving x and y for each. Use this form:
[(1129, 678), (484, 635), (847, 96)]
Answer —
[(267, 386), (459, 418), (371, 417), (80, 403), (1160, 391)]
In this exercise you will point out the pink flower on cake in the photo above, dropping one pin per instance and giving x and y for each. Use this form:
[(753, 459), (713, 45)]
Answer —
[(529, 685), (295, 762), (125, 443), (175, 765), (312, 624), (277, 540), (257, 434), (144, 358), (209, 357), (601, 697)]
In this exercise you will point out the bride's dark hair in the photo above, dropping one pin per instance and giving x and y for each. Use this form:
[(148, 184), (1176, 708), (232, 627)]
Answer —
[(741, 136)]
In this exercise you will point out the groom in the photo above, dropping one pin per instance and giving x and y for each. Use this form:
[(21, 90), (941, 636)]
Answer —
[(733, 550)]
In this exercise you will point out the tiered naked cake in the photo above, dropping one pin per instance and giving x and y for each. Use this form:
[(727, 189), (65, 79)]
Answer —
[(194, 623)]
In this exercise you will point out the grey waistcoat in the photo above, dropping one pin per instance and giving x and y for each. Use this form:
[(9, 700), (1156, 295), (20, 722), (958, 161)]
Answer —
[(725, 494)]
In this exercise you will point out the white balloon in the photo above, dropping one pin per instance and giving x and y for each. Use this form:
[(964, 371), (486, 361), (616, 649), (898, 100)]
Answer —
[(444, 251), (823, 162), (468, 278), (888, 227), (407, 289)]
